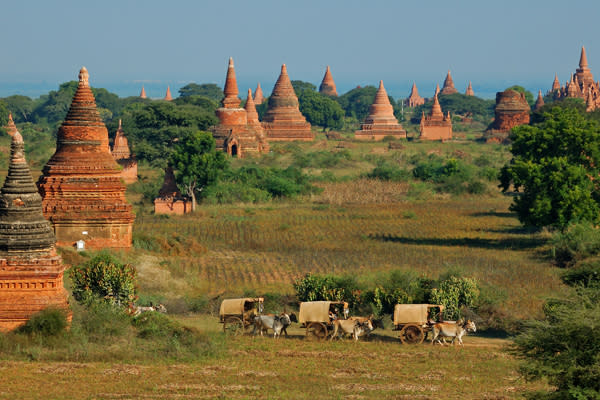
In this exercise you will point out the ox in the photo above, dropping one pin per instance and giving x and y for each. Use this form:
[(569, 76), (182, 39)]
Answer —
[(456, 330), (354, 327), (137, 310), (278, 323)]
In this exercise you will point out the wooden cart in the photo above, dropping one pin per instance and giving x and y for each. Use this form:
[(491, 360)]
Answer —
[(237, 315), (414, 321), (318, 316)]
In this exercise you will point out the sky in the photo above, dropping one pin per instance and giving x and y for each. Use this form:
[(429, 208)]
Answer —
[(127, 43)]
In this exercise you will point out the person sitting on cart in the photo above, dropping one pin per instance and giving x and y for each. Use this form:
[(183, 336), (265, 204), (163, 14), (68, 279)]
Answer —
[(249, 311), (332, 315)]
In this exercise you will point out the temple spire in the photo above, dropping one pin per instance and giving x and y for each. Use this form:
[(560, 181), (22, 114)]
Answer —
[(470, 91), (258, 95), (436, 109), (143, 93), (539, 103), (556, 83), (168, 96), (448, 87), (328, 85), (230, 90), (583, 62), (10, 127), (250, 107)]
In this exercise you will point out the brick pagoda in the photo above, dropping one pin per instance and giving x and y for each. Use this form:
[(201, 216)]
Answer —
[(448, 87), (123, 156), (254, 126), (10, 127), (469, 91), (259, 98), (168, 96), (328, 85), (436, 125), (539, 103), (170, 200), (581, 85), (81, 187), (234, 134), (414, 99), (143, 93), (31, 272), (511, 110), (381, 121), (283, 120)]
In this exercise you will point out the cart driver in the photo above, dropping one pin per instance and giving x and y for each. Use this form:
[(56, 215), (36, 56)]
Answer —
[(332, 315), (249, 311)]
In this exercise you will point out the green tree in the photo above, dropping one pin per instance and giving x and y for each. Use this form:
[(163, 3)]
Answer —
[(555, 170), (481, 110), (321, 110), (197, 163), (53, 107), (208, 90), (20, 106), (357, 101), (301, 86)]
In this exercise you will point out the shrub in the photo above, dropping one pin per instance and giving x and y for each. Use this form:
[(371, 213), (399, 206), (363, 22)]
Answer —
[(104, 277), (100, 320), (584, 274), (48, 322), (231, 192), (455, 293), (327, 287), (389, 172), (576, 243)]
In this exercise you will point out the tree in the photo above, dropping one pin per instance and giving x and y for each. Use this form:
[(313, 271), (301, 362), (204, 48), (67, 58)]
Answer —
[(321, 110), (20, 106), (54, 106), (197, 163), (301, 86), (208, 90), (356, 102), (564, 347), (554, 170)]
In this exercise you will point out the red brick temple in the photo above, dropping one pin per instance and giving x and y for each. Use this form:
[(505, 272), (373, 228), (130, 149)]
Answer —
[(381, 121), (469, 91), (234, 134), (511, 110), (328, 85), (581, 85), (414, 99), (539, 103), (143, 93), (170, 201), (283, 120), (10, 127), (81, 187), (448, 87), (436, 125), (259, 98), (123, 156), (168, 96), (31, 271)]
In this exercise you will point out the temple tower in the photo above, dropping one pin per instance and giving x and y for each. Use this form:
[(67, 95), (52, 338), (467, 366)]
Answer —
[(170, 200), (168, 96), (254, 126), (283, 120), (81, 187), (381, 121), (123, 156), (436, 125), (143, 93), (511, 110), (469, 91), (448, 87), (258, 95), (539, 103), (328, 85), (10, 127), (556, 83), (31, 272), (414, 99)]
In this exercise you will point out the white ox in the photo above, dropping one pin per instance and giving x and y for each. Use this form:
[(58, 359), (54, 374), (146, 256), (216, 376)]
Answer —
[(355, 327), (277, 323), (137, 310), (456, 330)]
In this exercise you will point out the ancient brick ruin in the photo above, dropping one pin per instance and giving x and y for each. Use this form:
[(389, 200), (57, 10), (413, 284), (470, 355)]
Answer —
[(581, 85), (235, 134), (327, 86), (511, 110), (381, 121), (10, 127), (539, 103), (81, 187), (436, 125), (168, 96), (170, 201), (123, 156), (143, 93), (414, 99), (469, 91), (258, 95), (448, 87), (283, 120), (31, 272)]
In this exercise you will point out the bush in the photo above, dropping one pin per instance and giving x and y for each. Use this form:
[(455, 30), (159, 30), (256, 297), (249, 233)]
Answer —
[(389, 172), (454, 293), (104, 277), (100, 320), (328, 287), (48, 322), (584, 274), (231, 192), (576, 243)]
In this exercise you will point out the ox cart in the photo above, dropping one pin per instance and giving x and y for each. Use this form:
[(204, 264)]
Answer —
[(237, 315), (318, 316), (414, 321)]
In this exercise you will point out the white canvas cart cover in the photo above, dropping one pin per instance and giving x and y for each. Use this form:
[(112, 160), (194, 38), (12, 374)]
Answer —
[(411, 313), (234, 306), (314, 311)]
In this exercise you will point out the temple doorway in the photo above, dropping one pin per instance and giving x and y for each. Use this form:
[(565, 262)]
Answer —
[(234, 150)]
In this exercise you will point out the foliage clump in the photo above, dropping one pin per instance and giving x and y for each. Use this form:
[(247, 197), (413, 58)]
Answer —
[(48, 322)]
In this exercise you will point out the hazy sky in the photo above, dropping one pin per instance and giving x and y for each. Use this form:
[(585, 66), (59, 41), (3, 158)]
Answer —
[(160, 42)]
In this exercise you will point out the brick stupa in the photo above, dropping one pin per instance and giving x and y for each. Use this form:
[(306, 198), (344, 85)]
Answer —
[(283, 120), (123, 156), (511, 110), (143, 93), (448, 85), (254, 126), (234, 134), (31, 272), (469, 91), (259, 98), (581, 85), (81, 185), (328, 85), (539, 103), (381, 121), (414, 99), (436, 125), (10, 127), (170, 201), (168, 96)]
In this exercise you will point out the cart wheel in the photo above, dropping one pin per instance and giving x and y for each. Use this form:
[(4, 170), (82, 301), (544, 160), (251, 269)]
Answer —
[(412, 334), (317, 329), (233, 326)]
